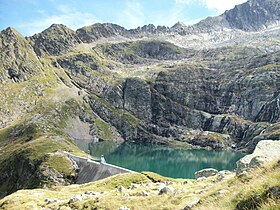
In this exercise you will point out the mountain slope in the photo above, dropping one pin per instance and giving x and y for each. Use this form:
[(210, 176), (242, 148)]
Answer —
[(221, 90)]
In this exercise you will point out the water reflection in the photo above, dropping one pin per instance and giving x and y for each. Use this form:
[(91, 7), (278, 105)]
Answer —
[(171, 162)]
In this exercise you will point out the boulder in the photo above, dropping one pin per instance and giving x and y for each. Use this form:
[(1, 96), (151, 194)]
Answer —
[(192, 204), (48, 201), (121, 189), (221, 192), (79, 197), (206, 173), (166, 190), (266, 150), (143, 193), (134, 186)]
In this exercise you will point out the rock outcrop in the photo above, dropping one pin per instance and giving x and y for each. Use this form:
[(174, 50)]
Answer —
[(55, 40), (206, 173), (265, 151)]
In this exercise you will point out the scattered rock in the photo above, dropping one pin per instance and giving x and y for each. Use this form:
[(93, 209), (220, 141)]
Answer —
[(185, 190), (149, 185), (124, 208), (199, 191), (169, 183), (274, 191), (143, 193), (201, 179), (221, 192), (80, 197), (177, 192), (192, 204), (223, 175), (134, 186), (206, 173), (64, 208), (48, 201), (188, 182), (121, 189), (166, 190), (90, 193), (225, 172), (191, 195)]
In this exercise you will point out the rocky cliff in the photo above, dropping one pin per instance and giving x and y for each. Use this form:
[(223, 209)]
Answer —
[(214, 84)]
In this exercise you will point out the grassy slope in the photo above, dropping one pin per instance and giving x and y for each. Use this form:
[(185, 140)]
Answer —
[(28, 152), (250, 191)]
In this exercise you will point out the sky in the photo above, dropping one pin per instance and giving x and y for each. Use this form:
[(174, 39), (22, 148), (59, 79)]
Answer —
[(33, 16)]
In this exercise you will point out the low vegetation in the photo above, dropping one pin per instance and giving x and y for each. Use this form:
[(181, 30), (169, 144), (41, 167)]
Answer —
[(257, 189)]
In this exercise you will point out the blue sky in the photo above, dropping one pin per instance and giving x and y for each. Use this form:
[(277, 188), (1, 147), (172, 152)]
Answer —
[(33, 16)]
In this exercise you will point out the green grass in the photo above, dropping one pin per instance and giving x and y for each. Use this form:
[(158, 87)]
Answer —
[(244, 192), (29, 158), (124, 180), (154, 177), (249, 191), (104, 129)]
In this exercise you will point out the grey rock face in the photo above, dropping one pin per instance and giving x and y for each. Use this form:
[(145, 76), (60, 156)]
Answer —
[(266, 150), (254, 15)]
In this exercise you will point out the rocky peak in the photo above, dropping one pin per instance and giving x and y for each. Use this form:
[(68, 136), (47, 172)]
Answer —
[(54, 40), (163, 29), (100, 30), (179, 28), (149, 29), (10, 35), (254, 15), (17, 59), (179, 24), (57, 30)]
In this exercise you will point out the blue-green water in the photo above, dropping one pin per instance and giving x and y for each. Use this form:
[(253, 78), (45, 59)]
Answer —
[(171, 162)]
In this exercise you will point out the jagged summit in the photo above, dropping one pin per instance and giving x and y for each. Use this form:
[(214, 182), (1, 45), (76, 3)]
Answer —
[(9, 29), (10, 33), (99, 30), (253, 15), (55, 40), (179, 24)]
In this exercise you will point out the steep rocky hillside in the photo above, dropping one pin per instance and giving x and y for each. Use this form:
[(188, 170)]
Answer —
[(213, 85)]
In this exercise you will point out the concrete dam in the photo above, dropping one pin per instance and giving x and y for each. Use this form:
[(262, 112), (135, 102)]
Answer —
[(90, 170)]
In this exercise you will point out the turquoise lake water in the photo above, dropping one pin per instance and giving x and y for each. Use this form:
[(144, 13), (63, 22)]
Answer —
[(171, 162)]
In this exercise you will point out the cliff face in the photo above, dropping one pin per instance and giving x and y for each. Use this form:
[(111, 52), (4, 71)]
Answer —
[(254, 15), (214, 84)]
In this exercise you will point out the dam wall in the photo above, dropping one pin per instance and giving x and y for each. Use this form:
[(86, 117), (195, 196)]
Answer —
[(90, 170)]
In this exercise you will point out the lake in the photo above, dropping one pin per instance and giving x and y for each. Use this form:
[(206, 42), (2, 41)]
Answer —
[(166, 161)]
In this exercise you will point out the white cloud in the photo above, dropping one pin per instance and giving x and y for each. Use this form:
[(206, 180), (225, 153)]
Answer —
[(69, 17), (133, 15), (219, 5)]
